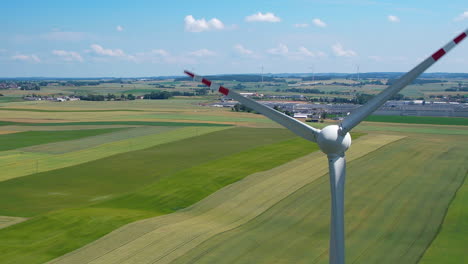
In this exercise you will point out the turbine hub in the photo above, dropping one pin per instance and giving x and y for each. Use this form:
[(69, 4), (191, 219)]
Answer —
[(331, 142)]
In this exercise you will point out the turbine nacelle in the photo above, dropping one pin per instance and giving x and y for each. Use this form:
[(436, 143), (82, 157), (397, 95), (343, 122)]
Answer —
[(332, 142)]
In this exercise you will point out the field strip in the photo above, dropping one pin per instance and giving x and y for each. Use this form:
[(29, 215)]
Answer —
[(405, 128), (165, 238), (4, 132), (18, 163), (93, 141), (6, 221), (22, 128)]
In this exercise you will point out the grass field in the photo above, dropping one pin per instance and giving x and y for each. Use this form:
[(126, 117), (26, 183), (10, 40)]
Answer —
[(131, 133), (459, 121), (50, 234), (31, 138), (17, 163), (260, 195), (107, 123), (66, 111), (451, 243), (163, 239), (126, 172), (10, 220), (393, 209)]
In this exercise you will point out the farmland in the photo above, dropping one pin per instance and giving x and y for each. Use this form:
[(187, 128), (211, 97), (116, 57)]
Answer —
[(173, 181), (419, 120)]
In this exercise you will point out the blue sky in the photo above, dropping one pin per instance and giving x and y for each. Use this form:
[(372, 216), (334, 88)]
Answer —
[(153, 38)]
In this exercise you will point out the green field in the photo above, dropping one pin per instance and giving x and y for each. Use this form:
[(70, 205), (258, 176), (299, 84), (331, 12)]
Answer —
[(174, 188), (66, 111), (126, 172), (456, 121), (10, 220), (107, 123), (385, 216), (17, 163), (5, 99), (228, 208), (450, 245), (395, 204), (172, 181), (31, 138)]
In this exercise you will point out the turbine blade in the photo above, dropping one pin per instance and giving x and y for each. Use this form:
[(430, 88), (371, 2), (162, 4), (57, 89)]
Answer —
[(337, 172), (362, 112), (288, 122)]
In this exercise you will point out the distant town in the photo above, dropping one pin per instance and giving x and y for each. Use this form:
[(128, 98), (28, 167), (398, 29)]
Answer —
[(309, 96)]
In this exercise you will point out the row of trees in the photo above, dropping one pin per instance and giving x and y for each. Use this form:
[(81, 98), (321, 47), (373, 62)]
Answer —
[(360, 98), (108, 97), (242, 108), (153, 95), (166, 95), (301, 90)]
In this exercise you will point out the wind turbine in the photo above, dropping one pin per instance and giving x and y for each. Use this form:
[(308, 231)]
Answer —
[(334, 140)]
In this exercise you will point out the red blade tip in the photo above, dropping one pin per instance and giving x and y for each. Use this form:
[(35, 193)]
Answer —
[(459, 38), (189, 73)]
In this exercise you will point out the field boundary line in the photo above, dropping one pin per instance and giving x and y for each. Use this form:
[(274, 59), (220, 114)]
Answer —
[(439, 228)]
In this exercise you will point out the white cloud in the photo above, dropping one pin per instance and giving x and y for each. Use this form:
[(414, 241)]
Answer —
[(341, 52), (319, 23), (242, 50), (98, 49), (23, 57), (299, 54), (461, 17), (160, 52), (64, 36), (119, 28), (282, 49), (199, 25), (154, 56), (321, 54), (260, 17), (68, 55), (202, 53), (393, 19), (304, 51), (301, 25)]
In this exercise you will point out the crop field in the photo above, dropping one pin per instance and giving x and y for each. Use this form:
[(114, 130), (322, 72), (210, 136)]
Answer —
[(10, 220), (271, 227), (170, 236), (179, 110), (173, 181), (459, 121), (450, 244), (31, 138), (20, 163)]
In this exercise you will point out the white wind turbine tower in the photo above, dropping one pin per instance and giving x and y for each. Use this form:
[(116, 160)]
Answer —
[(334, 140)]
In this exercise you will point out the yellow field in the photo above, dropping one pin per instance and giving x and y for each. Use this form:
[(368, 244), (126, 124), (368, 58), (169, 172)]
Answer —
[(165, 238), (7, 132), (138, 110)]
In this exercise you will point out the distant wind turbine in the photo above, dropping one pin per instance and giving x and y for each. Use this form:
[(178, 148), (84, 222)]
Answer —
[(334, 140)]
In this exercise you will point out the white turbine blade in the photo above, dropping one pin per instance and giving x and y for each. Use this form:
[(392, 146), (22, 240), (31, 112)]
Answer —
[(362, 112), (337, 171), (290, 123)]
